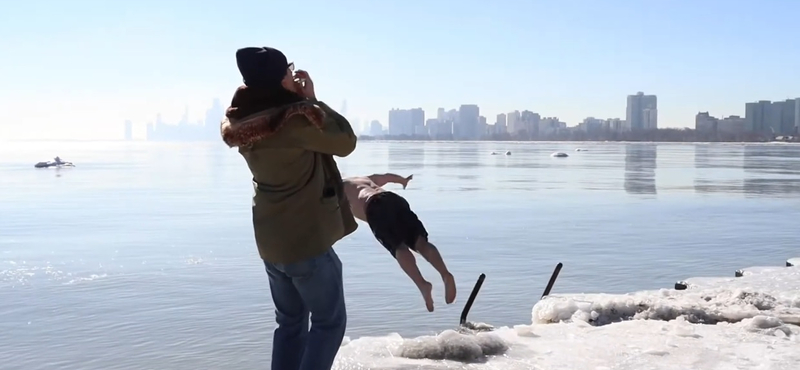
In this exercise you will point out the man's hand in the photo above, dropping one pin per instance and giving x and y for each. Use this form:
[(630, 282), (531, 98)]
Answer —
[(305, 90), (406, 180)]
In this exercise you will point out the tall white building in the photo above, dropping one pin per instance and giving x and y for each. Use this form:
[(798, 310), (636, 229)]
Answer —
[(591, 124), (418, 121), (500, 124), (400, 122), (550, 125), (614, 124), (440, 114), (704, 122), (650, 118), (407, 122), (468, 125), (797, 116), (514, 122), (529, 122), (776, 118), (641, 112)]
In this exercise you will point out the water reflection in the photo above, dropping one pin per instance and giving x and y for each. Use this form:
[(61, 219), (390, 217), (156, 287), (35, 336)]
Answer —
[(640, 168), (457, 160), (468, 154), (753, 170), (456, 155), (702, 156), (771, 170), (405, 157), (718, 168), (216, 161)]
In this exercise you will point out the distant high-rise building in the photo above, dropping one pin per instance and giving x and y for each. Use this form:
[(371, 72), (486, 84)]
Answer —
[(418, 121), (452, 115), (375, 128), (732, 125), (529, 122), (615, 124), (400, 122), (439, 128), (650, 118), (440, 114), (205, 129), (592, 125), (469, 127), (214, 116), (514, 122), (406, 122), (797, 116), (755, 115), (704, 122), (128, 130), (431, 125), (500, 124), (788, 117), (774, 118), (550, 125), (642, 112)]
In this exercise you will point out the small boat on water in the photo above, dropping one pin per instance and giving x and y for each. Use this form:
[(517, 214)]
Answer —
[(57, 162), (53, 164)]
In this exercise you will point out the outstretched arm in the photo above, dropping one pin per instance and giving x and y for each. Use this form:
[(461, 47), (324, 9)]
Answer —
[(385, 178)]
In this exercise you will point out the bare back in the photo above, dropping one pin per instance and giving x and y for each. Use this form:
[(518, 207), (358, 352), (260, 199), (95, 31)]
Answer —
[(358, 190)]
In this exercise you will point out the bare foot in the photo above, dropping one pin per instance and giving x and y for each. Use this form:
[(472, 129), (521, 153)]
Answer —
[(427, 292), (449, 288)]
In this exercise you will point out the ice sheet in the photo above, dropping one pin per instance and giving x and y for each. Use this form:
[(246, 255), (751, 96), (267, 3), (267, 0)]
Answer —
[(718, 323)]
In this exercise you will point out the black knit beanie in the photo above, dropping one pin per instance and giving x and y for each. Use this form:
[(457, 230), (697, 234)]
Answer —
[(261, 66)]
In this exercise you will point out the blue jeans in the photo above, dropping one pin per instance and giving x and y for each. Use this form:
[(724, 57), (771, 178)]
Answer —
[(314, 287)]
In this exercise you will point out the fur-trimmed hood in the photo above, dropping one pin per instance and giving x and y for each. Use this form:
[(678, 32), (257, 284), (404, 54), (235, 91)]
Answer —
[(248, 130)]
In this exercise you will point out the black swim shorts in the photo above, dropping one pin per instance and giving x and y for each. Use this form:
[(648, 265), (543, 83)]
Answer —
[(393, 222)]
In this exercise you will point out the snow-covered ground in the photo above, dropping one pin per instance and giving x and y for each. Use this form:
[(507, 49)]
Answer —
[(749, 322)]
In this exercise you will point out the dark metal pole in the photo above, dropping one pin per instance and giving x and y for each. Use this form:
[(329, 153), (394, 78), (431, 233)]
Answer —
[(471, 298), (552, 280)]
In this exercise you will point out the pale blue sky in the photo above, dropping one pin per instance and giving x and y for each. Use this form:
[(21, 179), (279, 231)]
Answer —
[(78, 68)]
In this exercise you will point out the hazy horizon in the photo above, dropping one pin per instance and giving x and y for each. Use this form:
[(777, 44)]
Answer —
[(87, 66)]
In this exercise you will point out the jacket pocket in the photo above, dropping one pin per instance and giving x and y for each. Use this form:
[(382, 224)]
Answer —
[(330, 218), (330, 203)]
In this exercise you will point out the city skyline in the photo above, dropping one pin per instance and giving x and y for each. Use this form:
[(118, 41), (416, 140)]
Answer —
[(763, 120), (467, 123), (572, 60), (647, 118)]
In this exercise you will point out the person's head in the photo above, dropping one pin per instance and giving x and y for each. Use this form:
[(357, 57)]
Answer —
[(269, 82), (266, 69)]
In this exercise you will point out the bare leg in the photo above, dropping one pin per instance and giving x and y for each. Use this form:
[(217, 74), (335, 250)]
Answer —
[(432, 255), (409, 265)]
